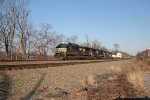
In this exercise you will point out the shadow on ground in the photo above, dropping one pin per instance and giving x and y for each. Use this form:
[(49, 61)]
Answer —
[(146, 98), (35, 88), (5, 86)]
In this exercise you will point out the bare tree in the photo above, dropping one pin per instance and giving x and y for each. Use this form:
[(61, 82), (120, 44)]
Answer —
[(44, 40), (96, 44), (14, 22), (72, 39), (59, 39), (1, 42), (92, 44), (9, 10), (116, 45), (87, 42), (5, 32), (104, 48), (30, 40), (23, 28)]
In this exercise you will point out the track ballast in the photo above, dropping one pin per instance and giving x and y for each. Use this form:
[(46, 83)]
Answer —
[(14, 65)]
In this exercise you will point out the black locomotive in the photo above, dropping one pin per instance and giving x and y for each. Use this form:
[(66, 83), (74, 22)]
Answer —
[(68, 51)]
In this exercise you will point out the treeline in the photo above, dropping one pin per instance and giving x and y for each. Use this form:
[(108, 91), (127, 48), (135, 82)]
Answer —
[(19, 39)]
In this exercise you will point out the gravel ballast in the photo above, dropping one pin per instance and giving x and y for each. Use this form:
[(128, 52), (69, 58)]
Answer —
[(42, 83)]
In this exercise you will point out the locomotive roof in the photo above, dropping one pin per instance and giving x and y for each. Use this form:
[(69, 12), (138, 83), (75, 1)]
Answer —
[(66, 44), (73, 44), (89, 48)]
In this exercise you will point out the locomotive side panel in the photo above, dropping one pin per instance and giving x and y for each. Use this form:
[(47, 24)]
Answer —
[(73, 51)]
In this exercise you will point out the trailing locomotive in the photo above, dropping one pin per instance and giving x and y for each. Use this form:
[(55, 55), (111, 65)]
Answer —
[(68, 51)]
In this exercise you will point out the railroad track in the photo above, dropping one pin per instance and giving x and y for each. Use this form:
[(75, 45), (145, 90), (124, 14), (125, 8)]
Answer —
[(25, 60), (14, 65)]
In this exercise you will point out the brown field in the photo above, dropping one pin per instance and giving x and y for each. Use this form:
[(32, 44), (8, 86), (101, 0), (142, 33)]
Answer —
[(92, 81)]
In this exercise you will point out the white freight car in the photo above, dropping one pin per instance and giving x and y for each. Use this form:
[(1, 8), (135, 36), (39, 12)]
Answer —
[(117, 55)]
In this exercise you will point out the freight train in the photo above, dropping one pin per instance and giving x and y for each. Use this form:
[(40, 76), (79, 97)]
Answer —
[(69, 51), (143, 56)]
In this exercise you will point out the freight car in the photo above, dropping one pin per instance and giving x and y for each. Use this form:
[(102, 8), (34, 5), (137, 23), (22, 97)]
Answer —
[(143, 56), (68, 51)]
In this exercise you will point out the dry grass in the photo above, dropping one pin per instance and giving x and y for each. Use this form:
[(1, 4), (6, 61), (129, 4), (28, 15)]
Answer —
[(136, 78), (126, 83), (111, 78), (116, 69), (91, 80), (134, 74), (145, 67)]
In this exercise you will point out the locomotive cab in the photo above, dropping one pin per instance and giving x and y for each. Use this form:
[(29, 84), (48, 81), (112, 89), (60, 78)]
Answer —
[(61, 51), (66, 51)]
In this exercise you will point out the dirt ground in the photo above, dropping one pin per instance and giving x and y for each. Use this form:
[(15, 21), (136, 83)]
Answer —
[(92, 81)]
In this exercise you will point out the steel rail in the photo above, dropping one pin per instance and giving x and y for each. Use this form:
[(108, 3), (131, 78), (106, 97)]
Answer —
[(49, 64)]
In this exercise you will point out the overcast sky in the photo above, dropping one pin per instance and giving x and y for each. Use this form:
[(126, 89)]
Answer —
[(126, 22)]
